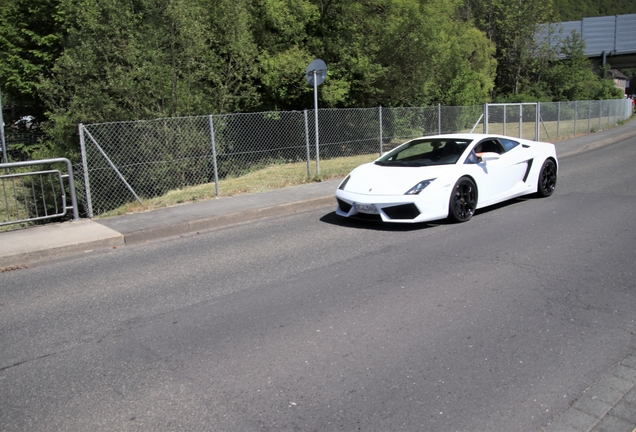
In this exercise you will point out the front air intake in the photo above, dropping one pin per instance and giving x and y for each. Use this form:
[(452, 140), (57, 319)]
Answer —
[(344, 206), (404, 211)]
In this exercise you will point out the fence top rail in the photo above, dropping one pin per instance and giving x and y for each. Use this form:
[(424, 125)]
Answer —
[(33, 173), (35, 162), (513, 103)]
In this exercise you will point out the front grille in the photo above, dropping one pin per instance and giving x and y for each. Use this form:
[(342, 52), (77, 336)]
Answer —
[(345, 207), (404, 211)]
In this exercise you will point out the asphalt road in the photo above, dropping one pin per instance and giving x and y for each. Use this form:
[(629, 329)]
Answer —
[(309, 322)]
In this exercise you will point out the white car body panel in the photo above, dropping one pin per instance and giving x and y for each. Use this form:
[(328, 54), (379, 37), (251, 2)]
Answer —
[(373, 189)]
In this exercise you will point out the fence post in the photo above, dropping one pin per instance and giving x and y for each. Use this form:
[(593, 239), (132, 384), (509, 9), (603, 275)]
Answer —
[(87, 185), (380, 116), (439, 118), (505, 109), (214, 164), (558, 119), (576, 105), (536, 121), (3, 141), (589, 114), (307, 146), (485, 118)]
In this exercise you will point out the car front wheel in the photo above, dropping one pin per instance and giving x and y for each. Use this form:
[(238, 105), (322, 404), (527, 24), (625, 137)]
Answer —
[(547, 179), (463, 200)]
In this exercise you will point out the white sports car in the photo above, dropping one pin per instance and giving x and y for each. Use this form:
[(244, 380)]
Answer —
[(436, 177)]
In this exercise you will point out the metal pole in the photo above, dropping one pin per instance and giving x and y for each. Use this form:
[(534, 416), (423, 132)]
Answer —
[(575, 116), (87, 184), (307, 145), (316, 124), (380, 115), (537, 120), (216, 171), (71, 186), (485, 118), (439, 118), (558, 118), (505, 107), (520, 121), (3, 142)]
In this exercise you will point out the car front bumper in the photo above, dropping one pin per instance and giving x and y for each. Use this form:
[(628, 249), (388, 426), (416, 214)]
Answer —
[(399, 209)]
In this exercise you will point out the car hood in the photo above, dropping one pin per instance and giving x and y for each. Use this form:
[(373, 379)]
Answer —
[(372, 179)]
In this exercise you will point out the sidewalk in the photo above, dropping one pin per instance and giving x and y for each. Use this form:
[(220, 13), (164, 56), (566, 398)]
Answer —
[(21, 247)]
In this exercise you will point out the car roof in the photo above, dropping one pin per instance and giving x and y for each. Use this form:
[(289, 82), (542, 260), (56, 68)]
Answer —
[(466, 136)]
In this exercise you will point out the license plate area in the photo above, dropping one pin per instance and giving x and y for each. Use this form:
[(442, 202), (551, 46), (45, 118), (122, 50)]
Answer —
[(367, 208)]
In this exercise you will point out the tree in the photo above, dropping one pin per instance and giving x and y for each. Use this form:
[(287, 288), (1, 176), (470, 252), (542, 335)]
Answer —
[(572, 77), (30, 42), (146, 59), (511, 25)]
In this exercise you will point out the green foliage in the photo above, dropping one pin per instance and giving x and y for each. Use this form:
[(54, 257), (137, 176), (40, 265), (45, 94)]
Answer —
[(570, 76), (511, 25), (149, 59), (30, 41), (400, 52), (573, 10)]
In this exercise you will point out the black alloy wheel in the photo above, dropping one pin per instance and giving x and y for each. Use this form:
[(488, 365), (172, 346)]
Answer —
[(463, 201), (547, 179)]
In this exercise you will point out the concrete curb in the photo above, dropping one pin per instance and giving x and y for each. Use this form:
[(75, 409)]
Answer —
[(187, 227), (606, 406), (54, 240), (597, 144)]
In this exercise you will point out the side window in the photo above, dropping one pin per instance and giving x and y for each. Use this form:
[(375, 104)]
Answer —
[(472, 158), (508, 144), (489, 146)]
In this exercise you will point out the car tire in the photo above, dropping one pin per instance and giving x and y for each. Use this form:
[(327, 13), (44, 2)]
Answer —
[(547, 179), (463, 200)]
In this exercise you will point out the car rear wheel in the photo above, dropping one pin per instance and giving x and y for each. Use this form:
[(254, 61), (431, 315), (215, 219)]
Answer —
[(463, 200), (547, 179)]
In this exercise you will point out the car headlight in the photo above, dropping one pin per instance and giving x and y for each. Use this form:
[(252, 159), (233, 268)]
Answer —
[(344, 182), (415, 190)]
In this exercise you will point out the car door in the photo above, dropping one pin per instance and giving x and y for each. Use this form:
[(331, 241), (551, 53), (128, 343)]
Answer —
[(500, 173)]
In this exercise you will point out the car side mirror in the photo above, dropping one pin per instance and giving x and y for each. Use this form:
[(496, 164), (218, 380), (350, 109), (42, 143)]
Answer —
[(489, 156)]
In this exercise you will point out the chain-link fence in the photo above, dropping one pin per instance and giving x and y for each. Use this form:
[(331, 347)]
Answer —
[(19, 145), (192, 158)]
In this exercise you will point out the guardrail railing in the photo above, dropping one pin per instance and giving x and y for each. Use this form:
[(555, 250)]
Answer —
[(27, 196)]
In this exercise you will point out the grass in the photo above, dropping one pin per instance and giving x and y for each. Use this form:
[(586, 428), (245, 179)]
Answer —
[(269, 178)]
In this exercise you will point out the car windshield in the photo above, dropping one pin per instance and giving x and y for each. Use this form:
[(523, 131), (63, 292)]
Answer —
[(425, 152)]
